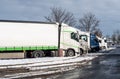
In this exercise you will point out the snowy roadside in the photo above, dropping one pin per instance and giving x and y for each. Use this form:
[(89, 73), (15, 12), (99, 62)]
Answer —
[(23, 68), (104, 52), (30, 62), (40, 66), (42, 62), (11, 62), (61, 64)]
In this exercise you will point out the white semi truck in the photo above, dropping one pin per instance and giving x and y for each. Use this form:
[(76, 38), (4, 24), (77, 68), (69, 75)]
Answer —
[(102, 42), (91, 39), (38, 39)]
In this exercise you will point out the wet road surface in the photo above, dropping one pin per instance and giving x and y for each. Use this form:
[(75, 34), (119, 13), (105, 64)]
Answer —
[(103, 67)]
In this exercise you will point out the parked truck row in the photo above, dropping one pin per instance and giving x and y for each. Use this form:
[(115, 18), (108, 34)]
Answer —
[(39, 39)]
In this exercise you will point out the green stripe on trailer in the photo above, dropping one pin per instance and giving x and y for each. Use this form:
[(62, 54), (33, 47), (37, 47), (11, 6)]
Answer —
[(28, 48), (68, 31)]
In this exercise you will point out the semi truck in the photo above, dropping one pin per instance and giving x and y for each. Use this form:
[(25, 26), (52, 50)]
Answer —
[(91, 39), (38, 39), (102, 42)]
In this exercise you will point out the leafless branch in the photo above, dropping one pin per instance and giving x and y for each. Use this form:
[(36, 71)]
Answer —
[(89, 22), (61, 15)]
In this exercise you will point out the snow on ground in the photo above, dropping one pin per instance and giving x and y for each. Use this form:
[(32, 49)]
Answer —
[(17, 63), (61, 63), (38, 65), (103, 52), (31, 60), (108, 49), (45, 60)]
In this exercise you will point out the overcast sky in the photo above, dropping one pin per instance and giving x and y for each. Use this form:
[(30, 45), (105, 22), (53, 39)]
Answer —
[(107, 11)]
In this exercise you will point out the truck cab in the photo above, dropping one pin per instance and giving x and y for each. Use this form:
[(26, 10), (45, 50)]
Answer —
[(69, 41), (91, 39), (102, 42)]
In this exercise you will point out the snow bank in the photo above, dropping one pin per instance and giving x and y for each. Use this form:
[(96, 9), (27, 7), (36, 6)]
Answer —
[(46, 60), (38, 65), (31, 60), (41, 62)]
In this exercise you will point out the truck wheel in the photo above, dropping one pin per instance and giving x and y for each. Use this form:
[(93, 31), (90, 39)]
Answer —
[(70, 52), (81, 52), (37, 54), (104, 47)]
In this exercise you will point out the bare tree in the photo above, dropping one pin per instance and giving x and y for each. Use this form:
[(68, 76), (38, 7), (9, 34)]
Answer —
[(118, 39), (98, 32), (116, 36), (61, 16), (113, 37), (89, 22)]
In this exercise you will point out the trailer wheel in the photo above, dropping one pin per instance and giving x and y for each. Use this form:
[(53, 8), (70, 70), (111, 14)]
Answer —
[(37, 54), (70, 52)]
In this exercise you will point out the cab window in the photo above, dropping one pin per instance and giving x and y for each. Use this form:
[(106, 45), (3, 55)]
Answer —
[(74, 36), (83, 37)]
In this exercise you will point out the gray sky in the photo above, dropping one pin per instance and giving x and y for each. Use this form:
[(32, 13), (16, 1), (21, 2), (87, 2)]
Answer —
[(107, 11)]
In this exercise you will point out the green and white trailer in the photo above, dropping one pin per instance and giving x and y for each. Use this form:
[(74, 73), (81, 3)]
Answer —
[(38, 39)]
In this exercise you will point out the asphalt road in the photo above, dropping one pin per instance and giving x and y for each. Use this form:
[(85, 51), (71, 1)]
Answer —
[(103, 67)]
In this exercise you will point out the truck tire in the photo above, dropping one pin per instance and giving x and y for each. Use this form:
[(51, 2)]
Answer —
[(104, 47), (81, 52), (37, 54), (70, 52)]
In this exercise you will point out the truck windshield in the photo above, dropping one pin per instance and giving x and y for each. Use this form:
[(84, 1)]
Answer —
[(83, 37)]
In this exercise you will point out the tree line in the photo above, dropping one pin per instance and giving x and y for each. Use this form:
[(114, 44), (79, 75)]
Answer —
[(116, 37), (88, 23)]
